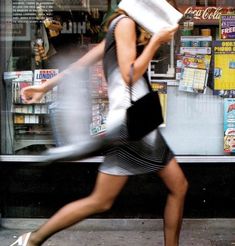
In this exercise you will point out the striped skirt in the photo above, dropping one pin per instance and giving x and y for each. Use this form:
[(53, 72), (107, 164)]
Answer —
[(149, 154)]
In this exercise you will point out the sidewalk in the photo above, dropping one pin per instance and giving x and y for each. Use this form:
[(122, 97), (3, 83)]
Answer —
[(126, 232)]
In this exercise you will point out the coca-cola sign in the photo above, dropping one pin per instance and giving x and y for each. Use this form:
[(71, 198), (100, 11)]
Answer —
[(209, 14)]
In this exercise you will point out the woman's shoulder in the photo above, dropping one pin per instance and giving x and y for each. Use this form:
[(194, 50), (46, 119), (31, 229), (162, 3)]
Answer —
[(125, 22), (126, 19)]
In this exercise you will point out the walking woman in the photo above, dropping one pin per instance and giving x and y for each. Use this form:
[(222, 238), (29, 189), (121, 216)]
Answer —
[(125, 44)]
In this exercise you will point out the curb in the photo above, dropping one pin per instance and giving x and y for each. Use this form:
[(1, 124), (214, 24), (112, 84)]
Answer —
[(121, 224)]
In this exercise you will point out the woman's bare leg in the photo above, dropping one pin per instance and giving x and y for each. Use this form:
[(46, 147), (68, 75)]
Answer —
[(177, 185), (106, 190)]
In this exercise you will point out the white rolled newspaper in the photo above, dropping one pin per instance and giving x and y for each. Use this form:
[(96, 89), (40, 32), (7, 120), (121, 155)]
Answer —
[(152, 15)]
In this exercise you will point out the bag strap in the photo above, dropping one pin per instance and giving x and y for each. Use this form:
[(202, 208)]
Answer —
[(115, 22), (131, 82)]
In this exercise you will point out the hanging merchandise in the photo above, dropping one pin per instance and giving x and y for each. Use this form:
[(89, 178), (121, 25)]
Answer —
[(193, 63), (46, 44), (194, 70), (53, 26), (39, 51), (188, 25), (195, 45)]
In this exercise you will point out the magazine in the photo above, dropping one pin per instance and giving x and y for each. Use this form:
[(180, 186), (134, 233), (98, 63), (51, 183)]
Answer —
[(229, 125), (193, 72), (17, 80), (227, 26), (42, 75)]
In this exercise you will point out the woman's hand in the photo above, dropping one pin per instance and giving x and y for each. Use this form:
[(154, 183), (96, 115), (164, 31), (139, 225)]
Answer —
[(165, 35), (32, 94)]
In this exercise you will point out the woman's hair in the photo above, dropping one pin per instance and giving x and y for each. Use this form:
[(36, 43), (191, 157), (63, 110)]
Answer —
[(143, 36)]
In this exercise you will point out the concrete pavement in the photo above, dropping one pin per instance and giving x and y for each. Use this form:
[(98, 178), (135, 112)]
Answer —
[(123, 232)]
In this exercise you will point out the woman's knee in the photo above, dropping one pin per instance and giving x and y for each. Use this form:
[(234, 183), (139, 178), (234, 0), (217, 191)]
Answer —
[(100, 204), (106, 190), (179, 189), (175, 179), (183, 186)]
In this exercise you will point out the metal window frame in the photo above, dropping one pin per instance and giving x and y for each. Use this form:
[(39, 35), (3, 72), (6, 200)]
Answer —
[(19, 159)]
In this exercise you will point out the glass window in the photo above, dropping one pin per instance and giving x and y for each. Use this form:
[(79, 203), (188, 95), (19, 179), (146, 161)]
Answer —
[(41, 38)]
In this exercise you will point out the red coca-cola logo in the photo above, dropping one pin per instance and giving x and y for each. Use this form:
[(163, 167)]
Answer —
[(210, 13)]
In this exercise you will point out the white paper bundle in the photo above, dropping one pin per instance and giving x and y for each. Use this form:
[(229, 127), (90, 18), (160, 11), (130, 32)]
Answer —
[(152, 15)]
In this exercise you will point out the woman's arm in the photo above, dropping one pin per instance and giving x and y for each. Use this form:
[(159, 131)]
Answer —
[(125, 35), (33, 94), (90, 58)]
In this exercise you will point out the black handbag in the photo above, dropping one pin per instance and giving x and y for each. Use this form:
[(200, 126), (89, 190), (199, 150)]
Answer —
[(145, 114)]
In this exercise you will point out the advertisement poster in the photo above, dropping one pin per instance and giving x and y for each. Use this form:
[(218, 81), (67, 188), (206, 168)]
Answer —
[(193, 72), (31, 11), (224, 67), (229, 125), (227, 26)]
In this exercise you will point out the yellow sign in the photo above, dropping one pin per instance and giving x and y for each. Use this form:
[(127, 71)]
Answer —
[(224, 65)]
